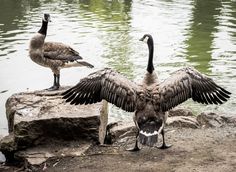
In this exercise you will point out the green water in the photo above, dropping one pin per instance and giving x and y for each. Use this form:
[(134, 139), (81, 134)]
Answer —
[(199, 33)]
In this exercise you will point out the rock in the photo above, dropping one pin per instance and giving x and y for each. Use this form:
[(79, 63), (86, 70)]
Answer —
[(121, 130), (211, 119), (37, 155), (7, 143), (229, 118), (180, 112), (8, 147), (182, 121), (42, 116), (2, 157)]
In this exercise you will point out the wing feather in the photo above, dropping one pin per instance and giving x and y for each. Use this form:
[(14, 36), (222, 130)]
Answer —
[(60, 48), (104, 84), (189, 83), (64, 53)]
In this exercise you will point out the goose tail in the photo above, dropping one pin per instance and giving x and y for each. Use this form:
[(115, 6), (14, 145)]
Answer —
[(84, 63), (78, 63), (148, 134)]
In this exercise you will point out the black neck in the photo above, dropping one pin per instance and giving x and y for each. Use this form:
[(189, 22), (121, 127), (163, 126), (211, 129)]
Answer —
[(150, 67), (44, 27)]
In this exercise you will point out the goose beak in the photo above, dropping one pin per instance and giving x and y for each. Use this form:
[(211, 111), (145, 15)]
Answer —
[(141, 39)]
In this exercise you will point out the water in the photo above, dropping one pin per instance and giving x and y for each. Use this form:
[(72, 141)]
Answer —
[(199, 33)]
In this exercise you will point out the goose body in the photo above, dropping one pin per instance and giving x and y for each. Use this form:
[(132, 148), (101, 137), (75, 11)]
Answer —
[(149, 100), (53, 55)]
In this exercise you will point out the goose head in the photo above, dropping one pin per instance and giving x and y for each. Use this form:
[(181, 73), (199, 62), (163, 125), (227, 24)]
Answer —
[(46, 17), (44, 27), (149, 40)]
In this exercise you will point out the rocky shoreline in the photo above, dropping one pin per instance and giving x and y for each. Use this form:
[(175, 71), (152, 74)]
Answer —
[(44, 130)]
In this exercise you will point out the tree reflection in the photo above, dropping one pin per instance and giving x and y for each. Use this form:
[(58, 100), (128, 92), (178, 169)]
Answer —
[(232, 20), (13, 21), (114, 30), (201, 33), (13, 11)]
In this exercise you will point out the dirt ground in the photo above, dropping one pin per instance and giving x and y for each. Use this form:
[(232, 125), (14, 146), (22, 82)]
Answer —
[(198, 150)]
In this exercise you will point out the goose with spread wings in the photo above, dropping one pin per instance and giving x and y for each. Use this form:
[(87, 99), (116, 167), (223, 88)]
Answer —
[(149, 100), (53, 55)]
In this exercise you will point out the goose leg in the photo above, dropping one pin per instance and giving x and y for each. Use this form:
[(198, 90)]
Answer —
[(56, 83), (136, 148), (164, 146), (58, 80), (108, 136)]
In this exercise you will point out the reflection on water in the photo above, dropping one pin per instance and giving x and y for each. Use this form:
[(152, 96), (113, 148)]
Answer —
[(199, 33), (114, 25)]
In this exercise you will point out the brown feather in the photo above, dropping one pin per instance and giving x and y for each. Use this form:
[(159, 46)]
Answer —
[(110, 85), (189, 83)]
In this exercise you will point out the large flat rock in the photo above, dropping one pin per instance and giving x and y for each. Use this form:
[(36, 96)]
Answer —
[(40, 116)]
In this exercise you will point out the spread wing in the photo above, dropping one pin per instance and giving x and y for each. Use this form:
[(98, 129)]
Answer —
[(189, 83), (104, 84)]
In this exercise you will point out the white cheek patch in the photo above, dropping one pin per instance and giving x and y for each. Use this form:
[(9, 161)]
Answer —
[(145, 39)]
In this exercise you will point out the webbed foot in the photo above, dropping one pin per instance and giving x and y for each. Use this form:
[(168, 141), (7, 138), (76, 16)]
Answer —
[(53, 88), (164, 146), (135, 149)]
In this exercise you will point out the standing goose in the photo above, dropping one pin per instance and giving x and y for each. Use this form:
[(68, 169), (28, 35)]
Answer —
[(53, 55), (151, 99)]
